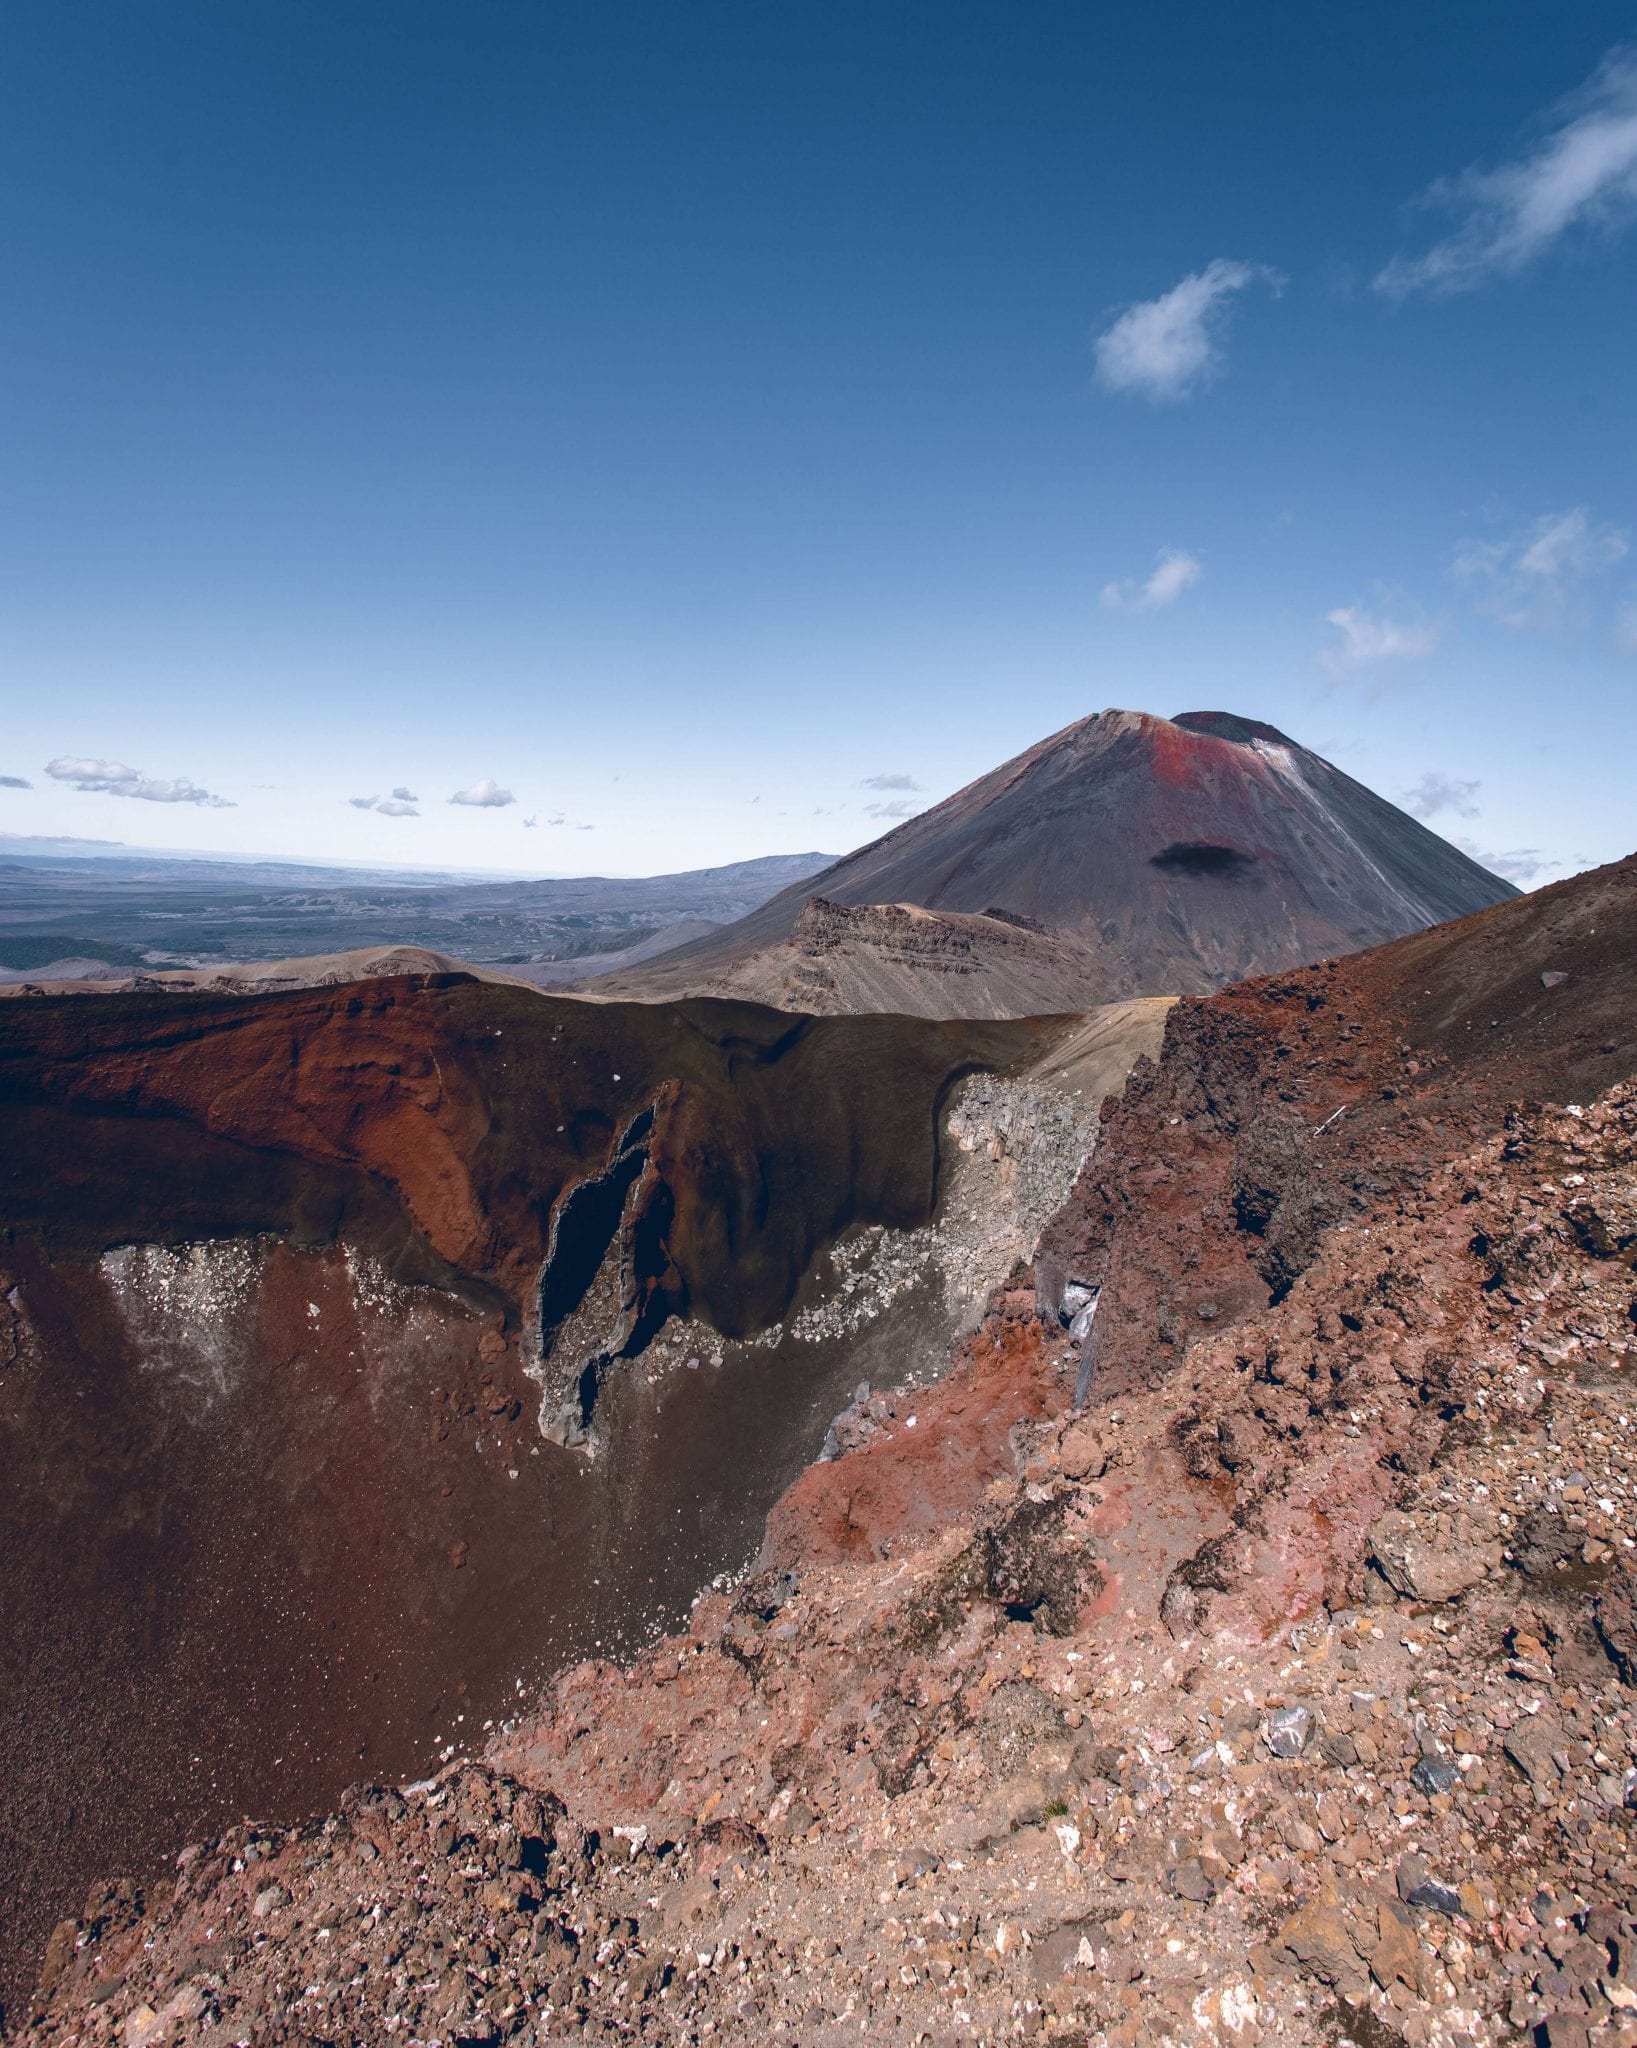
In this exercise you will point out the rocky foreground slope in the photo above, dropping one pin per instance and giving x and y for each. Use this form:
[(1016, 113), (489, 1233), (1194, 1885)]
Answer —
[(1165, 854), (1283, 1693)]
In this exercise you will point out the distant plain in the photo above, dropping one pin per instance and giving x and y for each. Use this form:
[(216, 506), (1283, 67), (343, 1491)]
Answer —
[(132, 912)]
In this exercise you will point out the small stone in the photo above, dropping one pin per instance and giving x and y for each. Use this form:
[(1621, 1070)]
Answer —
[(185, 2005), (1317, 1936), (1296, 1834), (1225, 1843), (270, 1899), (1082, 1453), (1420, 1567), (1075, 1299), (1435, 1774), (1418, 1887), (1189, 1881), (1412, 1870), (1554, 977), (1396, 1957), (1288, 1730)]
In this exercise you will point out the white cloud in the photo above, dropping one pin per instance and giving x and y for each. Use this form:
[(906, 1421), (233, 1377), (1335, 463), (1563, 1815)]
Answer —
[(1367, 636), (405, 796), (113, 778), (77, 768), (1435, 793), (901, 809), (1530, 579), (486, 795), (15, 782), (1580, 173), (399, 805), (1174, 571), (885, 782), (1166, 347), (1521, 865)]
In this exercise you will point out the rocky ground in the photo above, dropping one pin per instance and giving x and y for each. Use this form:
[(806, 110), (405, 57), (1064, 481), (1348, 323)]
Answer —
[(1357, 1765), (1283, 1694)]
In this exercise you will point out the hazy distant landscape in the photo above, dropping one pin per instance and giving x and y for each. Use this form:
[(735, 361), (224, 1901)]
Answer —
[(129, 911)]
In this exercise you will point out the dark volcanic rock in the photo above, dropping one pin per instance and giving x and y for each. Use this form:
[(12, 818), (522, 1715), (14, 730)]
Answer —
[(438, 1121)]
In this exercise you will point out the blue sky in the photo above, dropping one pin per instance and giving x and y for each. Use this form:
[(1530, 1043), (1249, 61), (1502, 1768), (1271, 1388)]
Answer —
[(699, 424)]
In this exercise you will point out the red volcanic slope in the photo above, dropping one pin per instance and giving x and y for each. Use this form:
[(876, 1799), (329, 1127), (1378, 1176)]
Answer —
[(1191, 852)]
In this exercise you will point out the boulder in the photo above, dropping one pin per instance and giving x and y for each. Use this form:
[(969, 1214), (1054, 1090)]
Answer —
[(1421, 1567)]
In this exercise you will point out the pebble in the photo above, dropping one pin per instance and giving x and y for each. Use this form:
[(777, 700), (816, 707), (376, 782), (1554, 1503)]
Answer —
[(1288, 1730), (1435, 1774)]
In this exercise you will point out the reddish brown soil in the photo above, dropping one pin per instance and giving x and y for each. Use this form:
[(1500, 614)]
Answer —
[(1285, 1106), (1213, 1184), (929, 1472)]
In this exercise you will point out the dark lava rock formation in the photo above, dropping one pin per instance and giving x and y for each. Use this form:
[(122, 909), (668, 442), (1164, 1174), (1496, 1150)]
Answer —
[(280, 1278), (1186, 853)]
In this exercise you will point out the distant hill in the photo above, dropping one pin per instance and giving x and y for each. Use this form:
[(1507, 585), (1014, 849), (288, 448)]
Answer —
[(143, 912), (842, 959), (1181, 854)]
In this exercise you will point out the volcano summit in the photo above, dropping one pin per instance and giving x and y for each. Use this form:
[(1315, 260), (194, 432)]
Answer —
[(1185, 853)]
